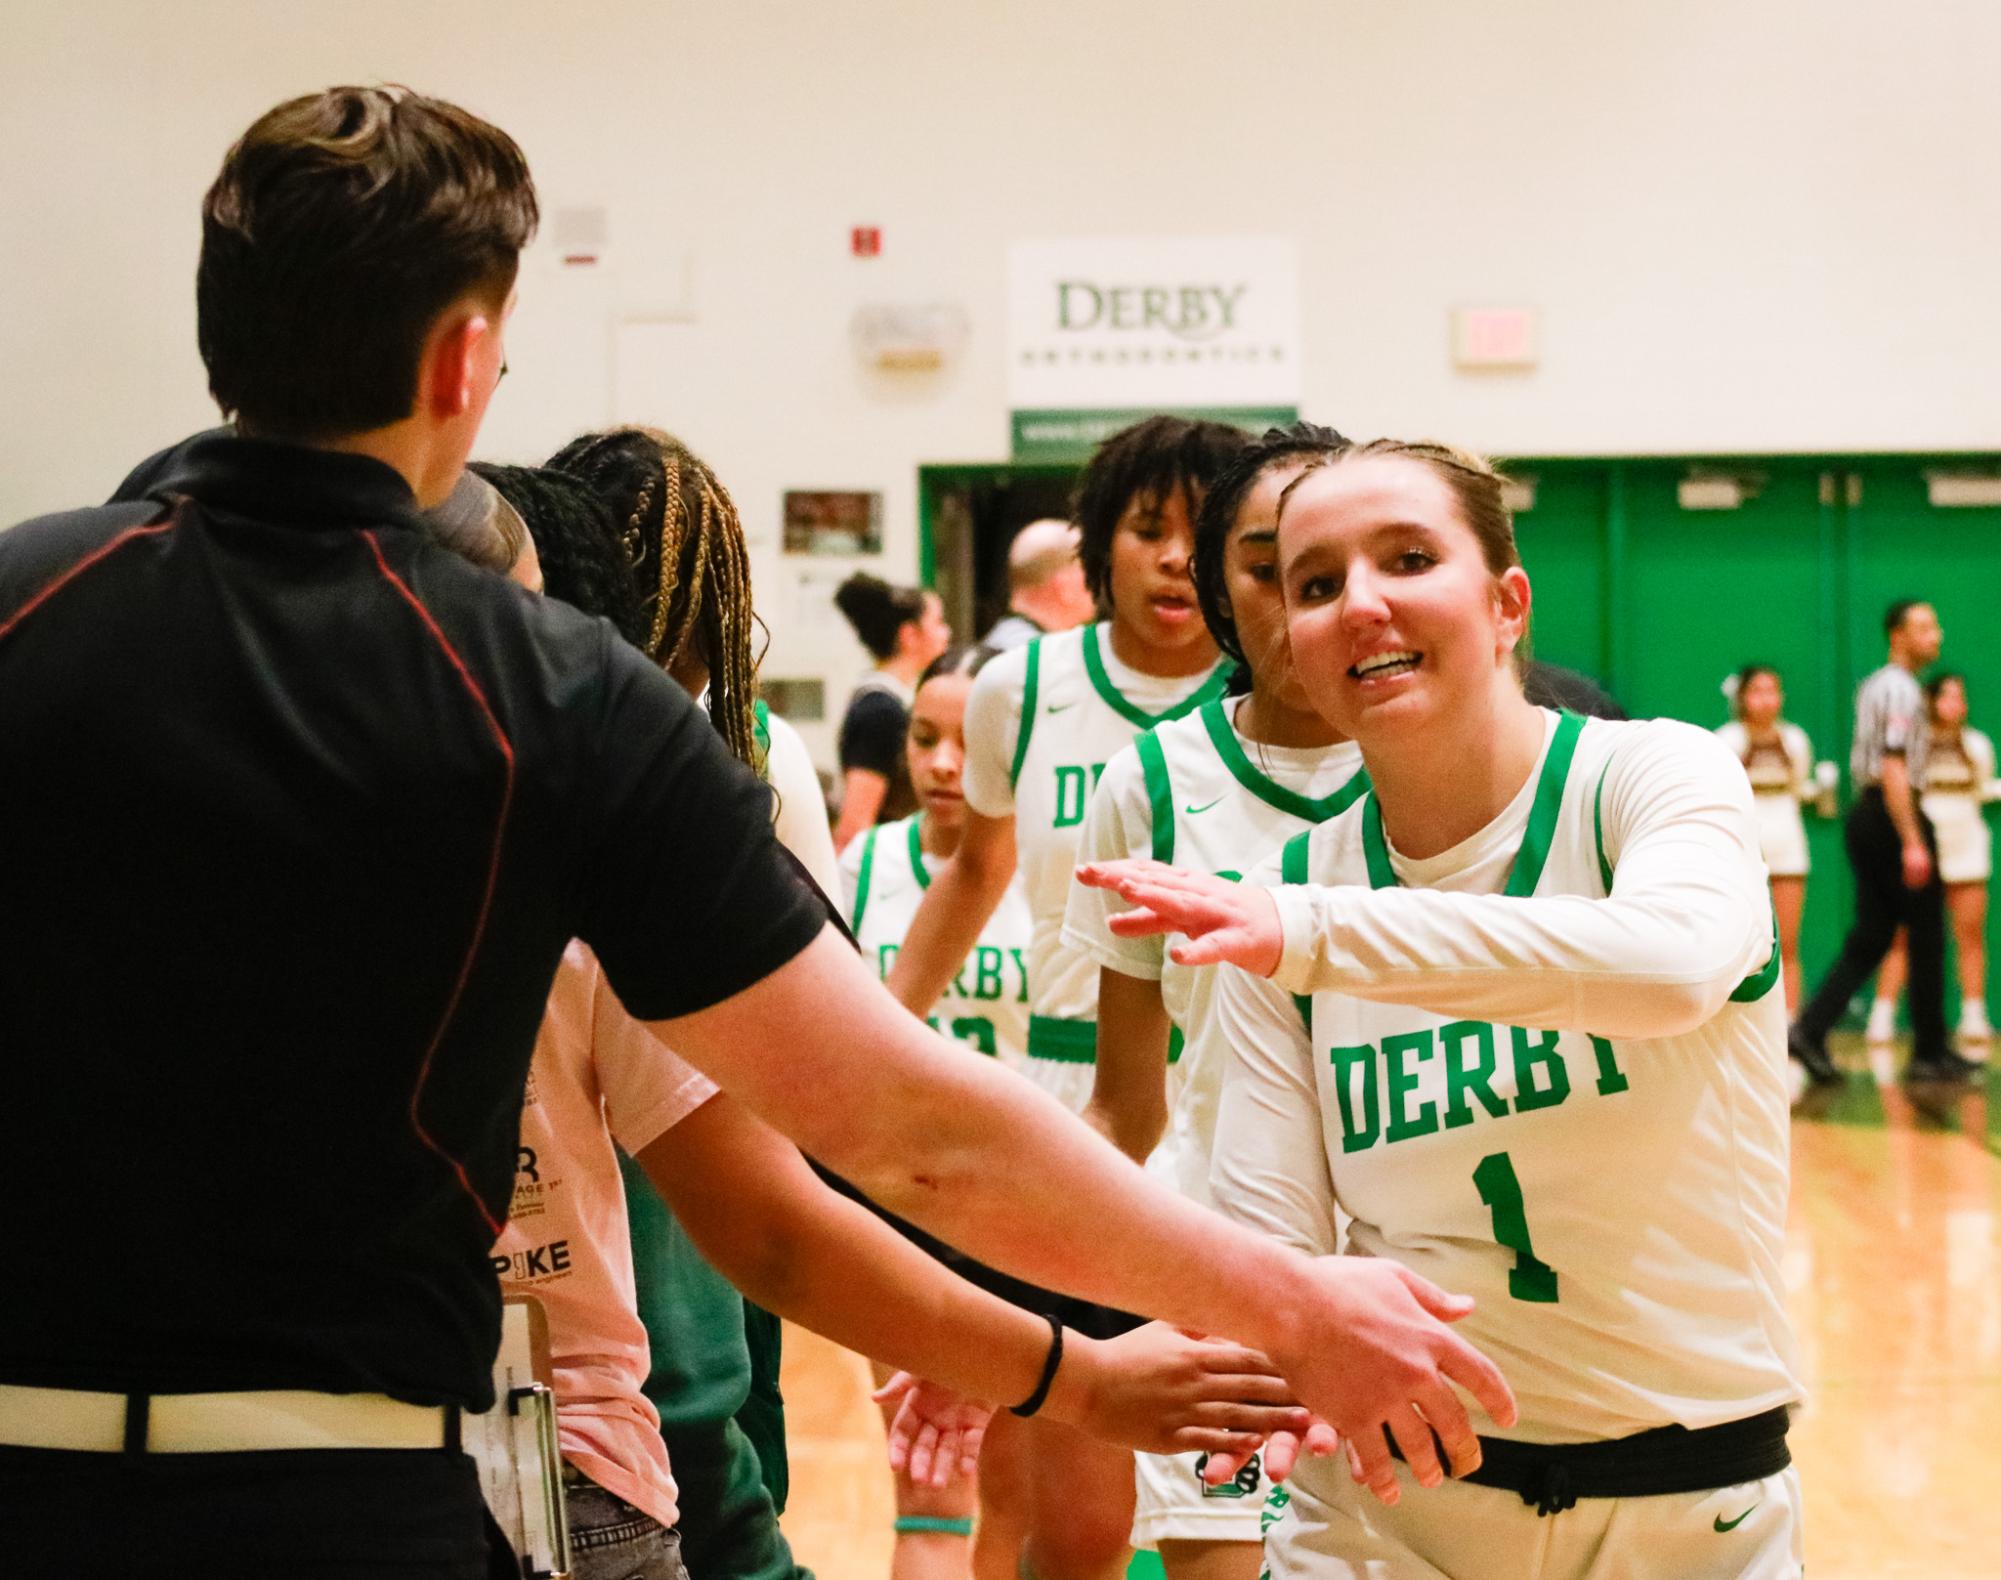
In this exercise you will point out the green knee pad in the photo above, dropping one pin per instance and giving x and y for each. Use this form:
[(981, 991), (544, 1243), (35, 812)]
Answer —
[(932, 1525)]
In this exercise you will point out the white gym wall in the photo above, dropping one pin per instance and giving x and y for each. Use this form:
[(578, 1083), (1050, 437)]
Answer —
[(1747, 224)]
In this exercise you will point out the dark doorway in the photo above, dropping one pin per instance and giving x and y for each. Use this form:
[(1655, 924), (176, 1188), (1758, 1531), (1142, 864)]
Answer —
[(967, 517)]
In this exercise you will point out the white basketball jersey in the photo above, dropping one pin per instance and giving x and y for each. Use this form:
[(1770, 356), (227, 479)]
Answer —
[(884, 874), (1041, 723), (1616, 1206), (1196, 793)]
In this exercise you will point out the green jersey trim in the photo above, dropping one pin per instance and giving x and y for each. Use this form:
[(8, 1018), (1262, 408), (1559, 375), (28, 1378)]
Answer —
[(1062, 1041), (1526, 871), (760, 730), (917, 853), (862, 879), (1029, 686), (1223, 736), (1119, 703), (1292, 869), (1159, 794)]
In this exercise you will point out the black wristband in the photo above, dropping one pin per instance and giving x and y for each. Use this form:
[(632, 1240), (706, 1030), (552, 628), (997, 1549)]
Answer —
[(1050, 1362)]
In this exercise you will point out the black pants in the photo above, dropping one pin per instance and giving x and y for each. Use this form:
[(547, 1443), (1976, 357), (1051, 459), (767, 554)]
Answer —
[(325, 1514), (1882, 905)]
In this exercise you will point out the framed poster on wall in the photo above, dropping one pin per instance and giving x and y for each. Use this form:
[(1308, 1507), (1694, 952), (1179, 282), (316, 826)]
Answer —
[(823, 521)]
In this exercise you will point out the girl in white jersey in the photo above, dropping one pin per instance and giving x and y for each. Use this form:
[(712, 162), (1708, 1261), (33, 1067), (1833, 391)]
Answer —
[(1041, 723), (1778, 760), (1523, 1024), (1217, 790), (1959, 782), (885, 873)]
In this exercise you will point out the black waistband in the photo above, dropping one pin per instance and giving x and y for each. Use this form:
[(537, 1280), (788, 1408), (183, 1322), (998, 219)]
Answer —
[(1668, 1459)]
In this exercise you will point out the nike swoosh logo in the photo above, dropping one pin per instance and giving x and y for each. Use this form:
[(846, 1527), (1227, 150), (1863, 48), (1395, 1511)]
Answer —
[(1731, 1525), (1058, 707), (1194, 811)]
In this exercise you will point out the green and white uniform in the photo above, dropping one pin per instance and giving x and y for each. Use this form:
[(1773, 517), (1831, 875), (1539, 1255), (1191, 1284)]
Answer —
[(1041, 723), (1196, 793), (884, 874), (1545, 1068)]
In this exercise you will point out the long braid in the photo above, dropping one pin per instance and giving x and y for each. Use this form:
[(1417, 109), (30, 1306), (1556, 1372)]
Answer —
[(695, 598)]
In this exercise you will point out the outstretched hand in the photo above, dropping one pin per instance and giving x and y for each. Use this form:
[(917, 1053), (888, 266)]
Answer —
[(1226, 923), (936, 1432), (1376, 1357), (1163, 1391)]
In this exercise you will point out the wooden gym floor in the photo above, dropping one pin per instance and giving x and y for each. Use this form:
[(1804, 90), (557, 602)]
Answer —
[(1893, 1260)]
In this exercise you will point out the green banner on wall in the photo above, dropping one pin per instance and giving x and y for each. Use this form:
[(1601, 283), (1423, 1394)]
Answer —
[(1055, 436)]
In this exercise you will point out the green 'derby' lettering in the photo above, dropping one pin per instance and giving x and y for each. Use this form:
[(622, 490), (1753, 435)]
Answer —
[(1074, 784), (1376, 1088)]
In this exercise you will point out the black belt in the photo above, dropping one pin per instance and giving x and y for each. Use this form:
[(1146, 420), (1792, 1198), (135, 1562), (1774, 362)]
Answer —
[(1669, 1459)]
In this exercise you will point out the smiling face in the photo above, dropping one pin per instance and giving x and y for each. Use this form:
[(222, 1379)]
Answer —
[(1250, 580), (936, 747), (1396, 622), (1152, 595)]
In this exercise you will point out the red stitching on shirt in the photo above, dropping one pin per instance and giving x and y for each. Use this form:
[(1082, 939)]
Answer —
[(102, 551), (492, 878)]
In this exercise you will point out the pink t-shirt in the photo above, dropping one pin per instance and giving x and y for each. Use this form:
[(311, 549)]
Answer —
[(598, 1076)]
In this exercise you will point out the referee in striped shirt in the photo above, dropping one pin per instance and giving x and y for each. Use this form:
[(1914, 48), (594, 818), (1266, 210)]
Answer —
[(1894, 858)]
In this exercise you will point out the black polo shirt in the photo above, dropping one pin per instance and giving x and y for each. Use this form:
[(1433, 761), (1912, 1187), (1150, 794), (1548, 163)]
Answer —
[(297, 812)]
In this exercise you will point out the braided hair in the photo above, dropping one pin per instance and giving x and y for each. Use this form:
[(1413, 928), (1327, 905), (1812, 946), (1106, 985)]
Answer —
[(1218, 518), (688, 567), (574, 533)]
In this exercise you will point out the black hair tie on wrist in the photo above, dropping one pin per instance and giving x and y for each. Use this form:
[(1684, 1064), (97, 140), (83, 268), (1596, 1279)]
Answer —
[(1050, 1362)]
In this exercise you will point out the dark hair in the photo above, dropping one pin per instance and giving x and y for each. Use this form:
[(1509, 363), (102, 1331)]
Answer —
[(576, 539), (1146, 460), (678, 537), (1223, 503), (964, 658), (1894, 616), (340, 226), (1938, 683), (1743, 678), (877, 610)]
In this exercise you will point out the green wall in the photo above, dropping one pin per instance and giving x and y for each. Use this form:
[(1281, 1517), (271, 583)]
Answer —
[(1662, 603)]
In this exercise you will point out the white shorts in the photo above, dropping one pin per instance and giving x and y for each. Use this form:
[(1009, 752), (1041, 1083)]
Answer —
[(1965, 843), (1781, 835), (1176, 1505), (1338, 1531)]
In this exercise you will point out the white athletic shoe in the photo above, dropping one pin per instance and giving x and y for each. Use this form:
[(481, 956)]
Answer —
[(1882, 1021), (1976, 1037)]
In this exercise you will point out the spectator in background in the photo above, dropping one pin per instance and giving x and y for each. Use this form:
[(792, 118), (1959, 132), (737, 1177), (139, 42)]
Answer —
[(1778, 760), (1959, 780), (1046, 590), (904, 628), (1893, 853)]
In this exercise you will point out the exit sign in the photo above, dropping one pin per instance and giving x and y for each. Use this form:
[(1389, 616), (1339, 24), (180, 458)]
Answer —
[(1494, 337)]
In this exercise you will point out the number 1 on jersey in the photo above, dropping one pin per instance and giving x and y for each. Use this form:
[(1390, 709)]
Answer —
[(1530, 1278)]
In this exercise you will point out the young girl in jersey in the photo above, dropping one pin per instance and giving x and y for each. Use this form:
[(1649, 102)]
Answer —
[(1516, 1011), (904, 630), (1041, 723), (1217, 790), (1778, 760), (1959, 782), (884, 875)]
